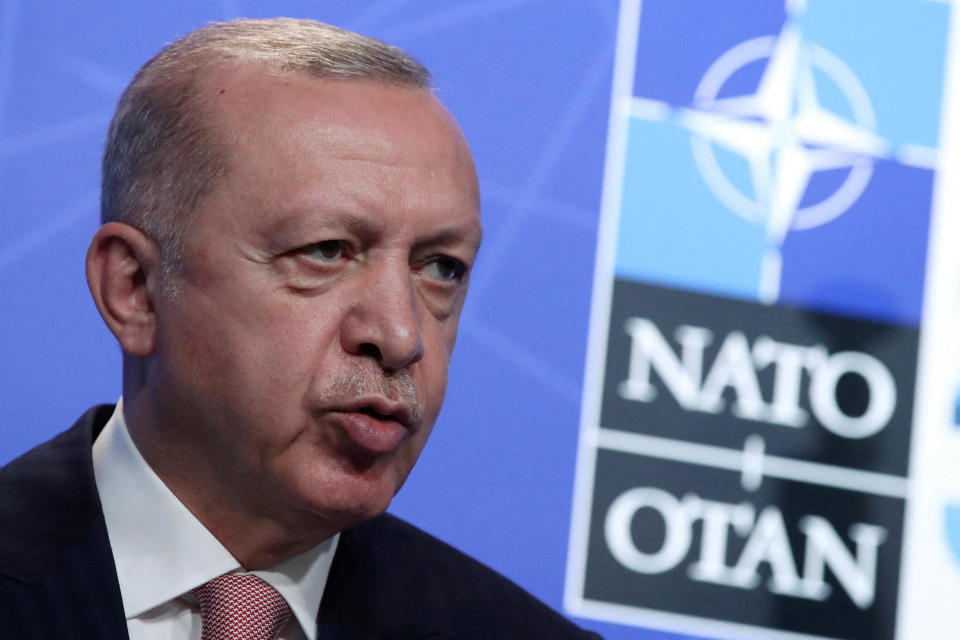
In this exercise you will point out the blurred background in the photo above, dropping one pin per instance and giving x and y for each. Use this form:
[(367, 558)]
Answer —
[(531, 83)]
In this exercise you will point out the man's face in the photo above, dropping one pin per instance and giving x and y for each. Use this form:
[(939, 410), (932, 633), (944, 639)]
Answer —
[(304, 358)]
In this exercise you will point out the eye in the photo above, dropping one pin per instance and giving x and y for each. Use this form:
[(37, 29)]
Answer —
[(327, 251), (445, 268)]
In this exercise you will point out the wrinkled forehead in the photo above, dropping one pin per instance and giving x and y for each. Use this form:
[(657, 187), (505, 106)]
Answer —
[(249, 104), (295, 141)]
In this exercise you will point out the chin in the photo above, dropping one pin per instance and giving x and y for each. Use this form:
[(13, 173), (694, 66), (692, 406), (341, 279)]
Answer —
[(348, 499)]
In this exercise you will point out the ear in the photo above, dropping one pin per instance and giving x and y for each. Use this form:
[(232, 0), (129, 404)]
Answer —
[(123, 272)]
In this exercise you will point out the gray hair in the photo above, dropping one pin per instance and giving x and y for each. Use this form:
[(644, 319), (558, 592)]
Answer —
[(161, 157)]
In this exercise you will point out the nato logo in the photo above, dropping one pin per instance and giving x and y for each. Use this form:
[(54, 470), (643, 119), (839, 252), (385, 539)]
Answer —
[(783, 132), (784, 137), (748, 405)]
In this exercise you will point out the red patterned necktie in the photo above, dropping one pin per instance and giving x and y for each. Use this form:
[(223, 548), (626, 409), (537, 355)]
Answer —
[(241, 606)]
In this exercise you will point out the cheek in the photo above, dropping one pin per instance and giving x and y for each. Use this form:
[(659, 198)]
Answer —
[(261, 345), (287, 347), (433, 371), (449, 329)]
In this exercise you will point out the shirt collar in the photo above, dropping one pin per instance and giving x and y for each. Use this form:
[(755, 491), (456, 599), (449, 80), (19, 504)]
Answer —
[(161, 551)]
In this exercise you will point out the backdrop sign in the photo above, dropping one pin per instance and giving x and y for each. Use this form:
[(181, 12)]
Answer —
[(751, 397)]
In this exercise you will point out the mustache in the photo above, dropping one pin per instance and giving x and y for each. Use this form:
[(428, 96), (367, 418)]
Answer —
[(371, 380)]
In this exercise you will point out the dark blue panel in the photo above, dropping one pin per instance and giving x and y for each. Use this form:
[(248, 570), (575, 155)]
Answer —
[(680, 39), (870, 261)]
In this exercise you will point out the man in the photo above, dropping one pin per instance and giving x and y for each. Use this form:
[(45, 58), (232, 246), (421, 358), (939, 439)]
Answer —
[(290, 221)]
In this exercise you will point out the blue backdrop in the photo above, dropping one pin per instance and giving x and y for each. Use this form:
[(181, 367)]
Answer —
[(529, 82)]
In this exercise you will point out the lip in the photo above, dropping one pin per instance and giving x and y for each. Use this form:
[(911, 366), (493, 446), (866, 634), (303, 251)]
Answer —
[(384, 408), (375, 424)]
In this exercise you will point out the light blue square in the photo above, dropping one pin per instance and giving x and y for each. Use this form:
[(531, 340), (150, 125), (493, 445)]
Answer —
[(672, 230)]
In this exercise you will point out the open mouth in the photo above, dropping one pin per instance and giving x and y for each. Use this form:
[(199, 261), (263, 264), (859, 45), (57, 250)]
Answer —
[(373, 413), (372, 430)]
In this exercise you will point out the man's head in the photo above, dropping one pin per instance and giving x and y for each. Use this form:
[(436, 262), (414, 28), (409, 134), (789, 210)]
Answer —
[(161, 154), (323, 236)]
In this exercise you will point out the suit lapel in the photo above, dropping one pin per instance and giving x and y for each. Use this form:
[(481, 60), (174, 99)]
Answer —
[(383, 584), (56, 567)]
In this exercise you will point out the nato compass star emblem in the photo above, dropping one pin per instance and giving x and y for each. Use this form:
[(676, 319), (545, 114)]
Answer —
[(785, 136)]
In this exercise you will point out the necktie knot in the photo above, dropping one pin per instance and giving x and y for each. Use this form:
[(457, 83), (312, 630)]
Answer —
[(241, 606)]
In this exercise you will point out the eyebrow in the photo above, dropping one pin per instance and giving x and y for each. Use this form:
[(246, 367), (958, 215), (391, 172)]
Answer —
[(471, 235), (296, 219)]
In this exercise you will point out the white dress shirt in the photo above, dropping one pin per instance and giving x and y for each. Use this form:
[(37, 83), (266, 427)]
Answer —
[(162, 551)]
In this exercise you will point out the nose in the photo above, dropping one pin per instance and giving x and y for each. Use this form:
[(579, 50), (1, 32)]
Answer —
[(383, 321)]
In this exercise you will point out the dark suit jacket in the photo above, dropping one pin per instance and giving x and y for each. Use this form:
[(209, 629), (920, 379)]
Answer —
[(389, 580)]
